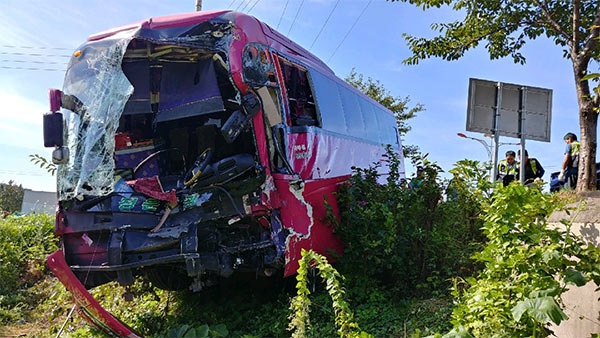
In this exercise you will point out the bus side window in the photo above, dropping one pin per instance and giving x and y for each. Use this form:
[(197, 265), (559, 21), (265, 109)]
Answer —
[(301, 101)]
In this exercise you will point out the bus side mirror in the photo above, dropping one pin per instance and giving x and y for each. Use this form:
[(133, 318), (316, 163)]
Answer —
[(53, 121), (53, 130), (60, 155), (53, 137)]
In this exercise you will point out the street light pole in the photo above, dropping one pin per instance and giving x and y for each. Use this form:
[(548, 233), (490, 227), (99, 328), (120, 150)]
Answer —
[(491, 150), (488, 148)]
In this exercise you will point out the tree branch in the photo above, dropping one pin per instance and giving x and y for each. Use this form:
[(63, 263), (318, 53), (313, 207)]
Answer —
[(591, 41), (575, 26), (552, 22)]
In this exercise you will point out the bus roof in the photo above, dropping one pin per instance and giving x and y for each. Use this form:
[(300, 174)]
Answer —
[(165, 21), (254, 29)]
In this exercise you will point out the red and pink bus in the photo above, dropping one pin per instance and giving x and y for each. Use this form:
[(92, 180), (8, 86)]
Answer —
[(192, 147)]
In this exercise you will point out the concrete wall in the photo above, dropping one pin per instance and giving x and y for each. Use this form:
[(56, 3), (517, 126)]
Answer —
[(581, 303), (38, 201)]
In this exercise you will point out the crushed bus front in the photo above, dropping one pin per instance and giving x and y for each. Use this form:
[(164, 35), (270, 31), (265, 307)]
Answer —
[(195, 146)]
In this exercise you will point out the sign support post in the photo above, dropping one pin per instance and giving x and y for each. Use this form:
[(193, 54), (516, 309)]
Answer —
[(509, 110), (496, 129)]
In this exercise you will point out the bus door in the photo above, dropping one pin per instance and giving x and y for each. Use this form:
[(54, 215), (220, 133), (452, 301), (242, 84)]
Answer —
[(300, 121), (289, 110), (303, 187), (291, 126)]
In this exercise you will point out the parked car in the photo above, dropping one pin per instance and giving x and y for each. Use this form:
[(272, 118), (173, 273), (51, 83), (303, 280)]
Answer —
[(556, 185)]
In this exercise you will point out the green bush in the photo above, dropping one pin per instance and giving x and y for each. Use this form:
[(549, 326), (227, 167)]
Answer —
[(25, 241), (403, 234), (528, 265), (405, 241)]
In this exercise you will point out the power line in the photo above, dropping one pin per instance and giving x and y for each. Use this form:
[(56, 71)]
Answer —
[(40, 62), (324, 24), (36, 47), (251, 8), (240, 5), (20, 172), (282, 14), (34, 54), (33, 68), (293, 22), (246, 5), (348, 33), (25, 54)]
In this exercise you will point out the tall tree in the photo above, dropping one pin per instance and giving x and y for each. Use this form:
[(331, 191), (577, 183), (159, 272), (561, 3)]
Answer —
[(505, 26), (398, 105)]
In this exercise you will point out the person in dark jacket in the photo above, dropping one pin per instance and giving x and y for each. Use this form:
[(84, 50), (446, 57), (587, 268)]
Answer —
[(533, 168)]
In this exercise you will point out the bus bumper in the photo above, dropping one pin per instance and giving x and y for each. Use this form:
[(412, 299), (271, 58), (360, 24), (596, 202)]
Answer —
[(91, 309)]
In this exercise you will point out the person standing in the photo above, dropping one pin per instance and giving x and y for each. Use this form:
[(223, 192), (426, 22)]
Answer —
[(533, 168), (570, 164), (508, 168)]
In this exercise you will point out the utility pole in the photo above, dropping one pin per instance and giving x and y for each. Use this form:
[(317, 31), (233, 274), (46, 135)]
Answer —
[(198, 5)]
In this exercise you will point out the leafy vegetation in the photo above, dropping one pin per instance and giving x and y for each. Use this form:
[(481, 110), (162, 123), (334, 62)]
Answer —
[(43, 163), (409, 245), (528, 265), (403, 234), (24, 244), (300, 304)]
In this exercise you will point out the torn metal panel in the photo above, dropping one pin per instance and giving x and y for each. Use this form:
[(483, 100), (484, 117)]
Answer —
[(303, 215), (90, 306)]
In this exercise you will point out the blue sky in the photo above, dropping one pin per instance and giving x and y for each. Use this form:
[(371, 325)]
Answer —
[(365, 35)]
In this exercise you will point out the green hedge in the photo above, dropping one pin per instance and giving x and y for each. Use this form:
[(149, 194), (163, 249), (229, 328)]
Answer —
[(25, 241)]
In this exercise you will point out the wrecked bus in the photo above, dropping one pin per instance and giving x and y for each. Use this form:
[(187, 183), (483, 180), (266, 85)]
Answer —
[(193, 146)]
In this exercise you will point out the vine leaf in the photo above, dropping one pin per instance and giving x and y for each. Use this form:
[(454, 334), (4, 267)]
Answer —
[(575, 277), (542, 310)]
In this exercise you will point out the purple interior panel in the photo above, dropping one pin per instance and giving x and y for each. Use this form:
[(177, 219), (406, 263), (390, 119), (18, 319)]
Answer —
[(187, 89)]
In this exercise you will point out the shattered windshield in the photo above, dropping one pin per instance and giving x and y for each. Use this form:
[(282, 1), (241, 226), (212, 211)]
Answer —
[(160, 74), (95, 93)]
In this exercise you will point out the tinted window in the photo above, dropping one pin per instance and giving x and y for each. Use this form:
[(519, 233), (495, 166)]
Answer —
[(347, 111)]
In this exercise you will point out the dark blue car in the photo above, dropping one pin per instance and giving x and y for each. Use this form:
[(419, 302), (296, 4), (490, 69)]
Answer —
[(555, 185)]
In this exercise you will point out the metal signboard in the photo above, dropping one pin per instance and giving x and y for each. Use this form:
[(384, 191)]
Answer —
[(523, 111)]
